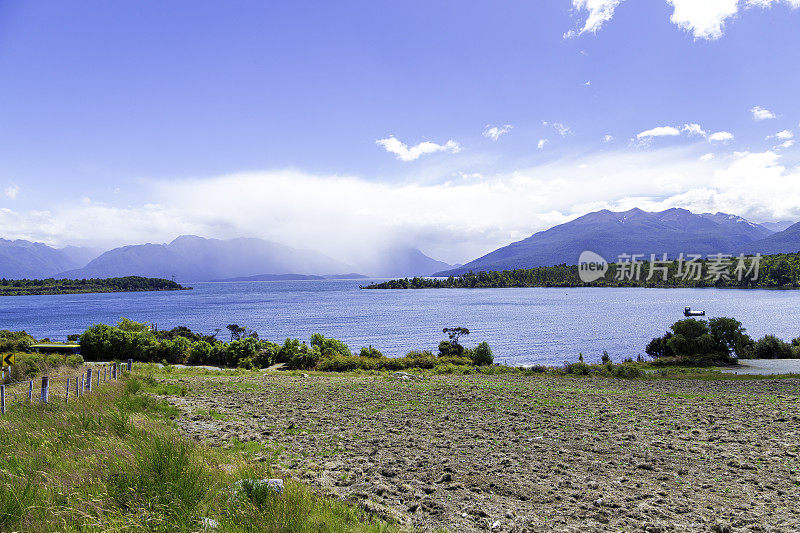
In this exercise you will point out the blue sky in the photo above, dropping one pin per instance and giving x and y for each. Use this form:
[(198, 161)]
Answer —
[(301, 122)]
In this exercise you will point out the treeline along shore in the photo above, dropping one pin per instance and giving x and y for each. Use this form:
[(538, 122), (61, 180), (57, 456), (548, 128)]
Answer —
[(779, 271), (22, 287)]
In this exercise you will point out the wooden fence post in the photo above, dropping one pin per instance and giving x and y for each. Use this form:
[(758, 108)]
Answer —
[(89, 379), (130, 365), (3, 398), (114, 371), (45, 388), (98, 377), (105, 372), (30, 391), (66, 398), (77, 390)]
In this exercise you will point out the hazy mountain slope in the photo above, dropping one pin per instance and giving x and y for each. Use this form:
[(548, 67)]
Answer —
[(80, 255), (25, 259), (611, 233), (777, 226), (785, 241), (191, 258), (401, 262), (149, 260)]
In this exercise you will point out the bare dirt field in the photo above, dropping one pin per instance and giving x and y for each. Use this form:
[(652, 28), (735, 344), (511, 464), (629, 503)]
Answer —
[(523, 453)]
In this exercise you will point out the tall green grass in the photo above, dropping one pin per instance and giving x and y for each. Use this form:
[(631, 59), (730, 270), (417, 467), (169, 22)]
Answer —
[(113, 461)]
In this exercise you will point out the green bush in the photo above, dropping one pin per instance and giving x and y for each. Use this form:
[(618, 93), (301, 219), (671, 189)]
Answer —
[(329, 347), (578, 369), (74, 360), (771, 347), (297, 355), (15, 341), (482, 355), (693, 341), (340, 363), (370, 352)]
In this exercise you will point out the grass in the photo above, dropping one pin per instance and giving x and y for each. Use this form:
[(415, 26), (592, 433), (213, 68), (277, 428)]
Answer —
[(113, 461)]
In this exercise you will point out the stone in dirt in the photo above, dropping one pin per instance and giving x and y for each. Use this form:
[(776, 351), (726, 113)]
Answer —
[(405, 376), (275, 485)]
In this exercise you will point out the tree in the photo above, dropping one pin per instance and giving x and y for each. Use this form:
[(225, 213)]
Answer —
[(329, 347), (236, 331), (482, 354), (370, 352), (455, 333), (771, 347), (730, 334)]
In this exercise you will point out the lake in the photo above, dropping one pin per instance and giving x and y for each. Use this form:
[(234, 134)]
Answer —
[(523, 326)]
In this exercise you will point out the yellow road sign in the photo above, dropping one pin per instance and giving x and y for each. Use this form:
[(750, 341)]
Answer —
[(8, 359)]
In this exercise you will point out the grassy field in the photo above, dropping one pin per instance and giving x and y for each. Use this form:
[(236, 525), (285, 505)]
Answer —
[(114, 461)]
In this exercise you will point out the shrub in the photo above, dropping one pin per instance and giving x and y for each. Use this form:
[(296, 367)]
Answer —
[(579, 369), (74, 360), (200, 353), (771, 347), (329, 346), (242, 351), (339, 363), (626, 371), (15, 341), (447, 348), (175, 351), (370, 352), (482, 355), (298, 355)]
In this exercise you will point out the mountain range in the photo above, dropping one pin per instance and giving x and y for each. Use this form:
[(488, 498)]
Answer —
[(192, 258), (24, 259), (611, 234)]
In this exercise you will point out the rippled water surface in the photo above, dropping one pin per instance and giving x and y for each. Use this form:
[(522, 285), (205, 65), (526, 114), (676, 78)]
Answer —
[(523, 326)]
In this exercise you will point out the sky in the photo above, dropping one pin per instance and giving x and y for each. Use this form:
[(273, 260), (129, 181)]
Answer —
[(452, 126)]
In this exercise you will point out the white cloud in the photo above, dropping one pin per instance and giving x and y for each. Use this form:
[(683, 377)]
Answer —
[(787, 144), (721, 137), (706, 157), (782, 135), (660, 131), (411, 153), (759, 113), (693, 129), (495, 132), (12, 190), (541, 143), (339, 214), (598, 13), (705, 19), (559, 127), (608, 138), (588, 83)]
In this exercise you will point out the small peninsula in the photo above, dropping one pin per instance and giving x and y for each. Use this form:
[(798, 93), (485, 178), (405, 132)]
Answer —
[(27, 287)]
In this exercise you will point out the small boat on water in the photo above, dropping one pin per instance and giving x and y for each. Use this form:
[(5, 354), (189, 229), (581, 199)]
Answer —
[(687, 311)]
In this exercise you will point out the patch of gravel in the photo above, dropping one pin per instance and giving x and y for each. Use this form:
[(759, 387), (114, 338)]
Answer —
[(515, 453), (765, 367)]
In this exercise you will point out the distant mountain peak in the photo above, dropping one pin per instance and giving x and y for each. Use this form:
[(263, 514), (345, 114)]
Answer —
[(671, 231)]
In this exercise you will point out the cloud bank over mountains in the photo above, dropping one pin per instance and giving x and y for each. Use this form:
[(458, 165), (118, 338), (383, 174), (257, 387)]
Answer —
[(454, 219)]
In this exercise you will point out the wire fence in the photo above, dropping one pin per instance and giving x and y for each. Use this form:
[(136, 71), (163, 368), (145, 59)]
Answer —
[(47, 389)]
